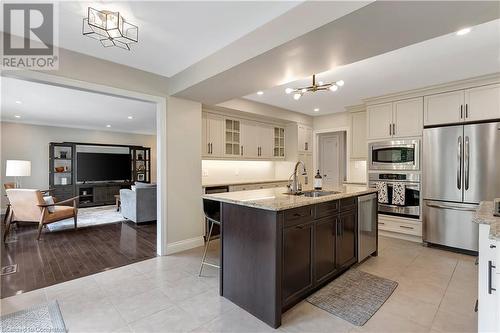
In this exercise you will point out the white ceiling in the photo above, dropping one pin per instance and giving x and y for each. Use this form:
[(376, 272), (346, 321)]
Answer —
[(172, 34), (44, 104), (434, 61)]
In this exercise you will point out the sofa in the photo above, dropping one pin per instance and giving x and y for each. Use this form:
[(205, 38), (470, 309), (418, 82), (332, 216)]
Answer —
[(139, 203)]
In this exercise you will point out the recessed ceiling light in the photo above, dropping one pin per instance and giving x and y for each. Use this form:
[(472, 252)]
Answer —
[(288, 90), (316, 109), (260, 93), (108, 126), (340, 83), (18, 102), (463, 31), (297, 96), (130, 117), (17, 116)]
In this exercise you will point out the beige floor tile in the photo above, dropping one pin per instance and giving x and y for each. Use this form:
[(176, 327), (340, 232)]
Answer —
[(385, 322), (459, 301), (185, 288), (93, 316), (305, 317), (142, 305), (410, 308), (83, 289), (447, 321), (128, 287), (207, 306), (116, 274), (22, 301), (422, 290), (173, 319), (235, 321)]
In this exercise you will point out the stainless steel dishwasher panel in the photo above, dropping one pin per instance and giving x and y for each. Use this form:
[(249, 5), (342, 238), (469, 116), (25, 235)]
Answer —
[(367, 225)]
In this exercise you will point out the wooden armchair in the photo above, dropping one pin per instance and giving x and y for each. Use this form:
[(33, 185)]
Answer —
[(29, 206)]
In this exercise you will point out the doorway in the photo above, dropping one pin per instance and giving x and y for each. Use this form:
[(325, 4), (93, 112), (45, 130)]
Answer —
[(332, 158)]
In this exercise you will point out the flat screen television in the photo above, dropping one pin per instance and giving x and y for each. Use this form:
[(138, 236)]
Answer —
[(102, 167)]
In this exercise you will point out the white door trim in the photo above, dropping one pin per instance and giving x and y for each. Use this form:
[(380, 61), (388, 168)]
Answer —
[(316, 134), (161, 135)]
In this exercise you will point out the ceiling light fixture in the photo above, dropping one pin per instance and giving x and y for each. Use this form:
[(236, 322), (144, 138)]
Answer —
[(17, 116), (316, 110), (108, 126), (110, 28), (320, 86), (260, 93), (130, 117), (463, 31), (18, 102)]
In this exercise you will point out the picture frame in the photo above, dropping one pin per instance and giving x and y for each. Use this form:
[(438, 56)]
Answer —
[(140, 177)]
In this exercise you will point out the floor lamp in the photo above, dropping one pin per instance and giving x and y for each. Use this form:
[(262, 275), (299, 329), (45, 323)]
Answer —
[(18, 168)]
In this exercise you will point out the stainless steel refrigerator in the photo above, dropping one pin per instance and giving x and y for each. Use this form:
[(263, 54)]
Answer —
[(461, 167)]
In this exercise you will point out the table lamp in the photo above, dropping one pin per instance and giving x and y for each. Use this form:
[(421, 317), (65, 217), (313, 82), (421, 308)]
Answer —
[(18, 168)]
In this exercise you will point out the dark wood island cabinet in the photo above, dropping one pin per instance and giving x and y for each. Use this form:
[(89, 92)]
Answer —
[(272, 259)]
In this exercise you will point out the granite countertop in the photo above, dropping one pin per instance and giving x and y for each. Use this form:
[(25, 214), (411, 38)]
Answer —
[(275, 198), (484, 215), (244, 182)]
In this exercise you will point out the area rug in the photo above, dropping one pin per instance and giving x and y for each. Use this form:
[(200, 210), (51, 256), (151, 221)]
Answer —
[(40, 318), (355, 296), (89, 217)]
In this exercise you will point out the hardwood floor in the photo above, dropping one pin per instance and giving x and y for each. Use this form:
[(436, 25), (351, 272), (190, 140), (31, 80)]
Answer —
[(65, 255)]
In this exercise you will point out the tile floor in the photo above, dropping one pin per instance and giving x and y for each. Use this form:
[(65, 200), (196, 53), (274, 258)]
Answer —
[(436, 293)]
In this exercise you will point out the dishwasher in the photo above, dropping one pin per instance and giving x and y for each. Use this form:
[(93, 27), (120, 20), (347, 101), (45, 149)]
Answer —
[(208, 224), (367, 226)]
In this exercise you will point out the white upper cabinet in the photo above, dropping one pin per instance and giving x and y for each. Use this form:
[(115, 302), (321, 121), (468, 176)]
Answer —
[(395, 120), (265, 141), (212, 135), (379, 119), (444, 108), (359, 146), (474, 104), (305, 137), (482, 103), (235, 138), (407, 117)]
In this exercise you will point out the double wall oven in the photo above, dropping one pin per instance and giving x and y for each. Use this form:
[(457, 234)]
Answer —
[(397, 162)]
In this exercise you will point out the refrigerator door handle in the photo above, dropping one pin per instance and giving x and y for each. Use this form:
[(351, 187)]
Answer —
[(466, 162), (434, 204), (459, 163)]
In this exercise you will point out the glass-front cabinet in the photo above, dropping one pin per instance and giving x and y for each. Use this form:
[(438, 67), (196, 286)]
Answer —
[(279, 142), (232, 136)]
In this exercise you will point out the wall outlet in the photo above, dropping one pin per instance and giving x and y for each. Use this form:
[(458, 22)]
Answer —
[(204, 172)]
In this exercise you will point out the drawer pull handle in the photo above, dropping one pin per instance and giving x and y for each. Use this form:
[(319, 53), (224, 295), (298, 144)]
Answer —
[(300, 227), (490, 269), (381, 223), (296, 214), (405, 227), (492, 246)]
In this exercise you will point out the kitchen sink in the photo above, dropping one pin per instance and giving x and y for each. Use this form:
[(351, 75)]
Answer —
[(316, 193), (313, 193)]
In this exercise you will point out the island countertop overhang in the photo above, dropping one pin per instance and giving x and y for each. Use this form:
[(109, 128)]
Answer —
[(276, 199)]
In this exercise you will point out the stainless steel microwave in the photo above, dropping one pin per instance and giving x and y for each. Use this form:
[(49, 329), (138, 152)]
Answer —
[(394, 155)]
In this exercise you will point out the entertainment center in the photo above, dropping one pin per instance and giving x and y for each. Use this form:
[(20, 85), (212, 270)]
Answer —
[(96, 172)]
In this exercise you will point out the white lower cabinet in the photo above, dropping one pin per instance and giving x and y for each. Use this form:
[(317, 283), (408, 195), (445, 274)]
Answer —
[(488, 282), (400, 225)]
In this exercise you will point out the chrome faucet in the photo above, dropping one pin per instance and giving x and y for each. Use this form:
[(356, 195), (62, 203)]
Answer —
[(294, 186)]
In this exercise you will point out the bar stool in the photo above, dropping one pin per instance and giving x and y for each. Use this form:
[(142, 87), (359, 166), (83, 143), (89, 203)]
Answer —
[(212, 215)]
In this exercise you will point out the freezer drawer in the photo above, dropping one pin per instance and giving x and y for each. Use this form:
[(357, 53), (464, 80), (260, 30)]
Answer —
[(450, 224)]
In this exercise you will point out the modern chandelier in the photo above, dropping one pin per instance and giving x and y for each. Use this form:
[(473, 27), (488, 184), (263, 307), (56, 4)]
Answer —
[(110, 28), (320, 86)]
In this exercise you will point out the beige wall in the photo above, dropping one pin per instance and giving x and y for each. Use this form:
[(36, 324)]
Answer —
[(31, 142), (184, 191)]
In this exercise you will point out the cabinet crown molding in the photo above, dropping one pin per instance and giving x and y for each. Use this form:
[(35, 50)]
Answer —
[(355, 108), (436, 89)]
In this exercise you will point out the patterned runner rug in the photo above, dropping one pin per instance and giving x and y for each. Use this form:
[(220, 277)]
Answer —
[(40, 318)]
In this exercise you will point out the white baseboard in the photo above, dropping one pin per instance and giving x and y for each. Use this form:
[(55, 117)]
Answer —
[(398, 235), (185, 244)]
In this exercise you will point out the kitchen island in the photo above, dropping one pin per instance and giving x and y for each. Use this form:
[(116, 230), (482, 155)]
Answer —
[(277, 248)]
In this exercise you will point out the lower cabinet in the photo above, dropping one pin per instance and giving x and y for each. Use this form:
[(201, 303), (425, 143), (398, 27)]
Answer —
[(346, 238), (317, 246), (297, 260), (324, 249)]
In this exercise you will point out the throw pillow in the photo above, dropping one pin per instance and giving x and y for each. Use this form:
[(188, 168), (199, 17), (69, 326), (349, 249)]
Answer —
[(49, 200)]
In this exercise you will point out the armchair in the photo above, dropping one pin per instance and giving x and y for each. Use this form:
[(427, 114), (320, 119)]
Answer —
[(29, 206), (139, 205)]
